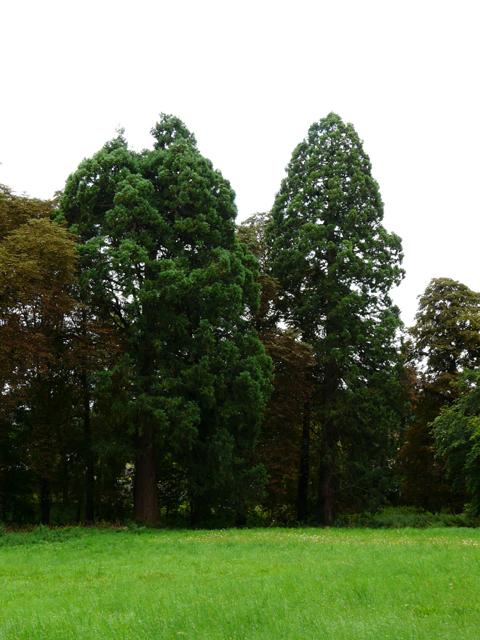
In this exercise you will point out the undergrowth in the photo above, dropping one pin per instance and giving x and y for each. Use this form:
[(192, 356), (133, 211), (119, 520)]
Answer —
[(401, 517)]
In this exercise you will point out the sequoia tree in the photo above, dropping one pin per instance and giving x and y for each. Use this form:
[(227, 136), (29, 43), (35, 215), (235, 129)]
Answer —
[(336, 264), (160, 254)]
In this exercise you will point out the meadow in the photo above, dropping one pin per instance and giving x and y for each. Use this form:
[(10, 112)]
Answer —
[(274, 584)]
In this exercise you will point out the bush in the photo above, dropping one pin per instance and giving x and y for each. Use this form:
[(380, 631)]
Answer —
[(401, 517)]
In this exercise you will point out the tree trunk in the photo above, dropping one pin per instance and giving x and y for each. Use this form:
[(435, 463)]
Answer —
[(146, 490), (89, 458), (65, 479), (146, 493), (326, 510), (326, 500), (304, 471)]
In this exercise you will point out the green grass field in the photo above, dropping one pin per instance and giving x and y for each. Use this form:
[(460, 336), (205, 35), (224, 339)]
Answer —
[(268, 583)]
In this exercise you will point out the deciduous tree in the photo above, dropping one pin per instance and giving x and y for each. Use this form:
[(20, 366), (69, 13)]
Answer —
[(37, 268), (456, 432), (284, 443), (445, 341)]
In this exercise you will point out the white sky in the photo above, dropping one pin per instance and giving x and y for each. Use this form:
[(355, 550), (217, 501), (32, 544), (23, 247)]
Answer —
[(248, 79)]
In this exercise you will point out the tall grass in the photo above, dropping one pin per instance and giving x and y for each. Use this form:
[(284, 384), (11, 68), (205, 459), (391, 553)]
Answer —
[(252, 584)]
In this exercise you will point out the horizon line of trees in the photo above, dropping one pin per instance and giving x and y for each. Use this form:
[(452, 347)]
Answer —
[(157, 359)]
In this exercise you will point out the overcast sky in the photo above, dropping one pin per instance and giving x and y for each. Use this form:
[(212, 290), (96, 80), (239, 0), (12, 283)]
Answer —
[(249, 79)]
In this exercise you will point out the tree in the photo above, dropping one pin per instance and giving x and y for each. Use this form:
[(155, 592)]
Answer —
[(284, 442), (52, 342), (446, 335), (456, 432), (33, 292), (37, 268), (159, 252), (445, 341), (336, 265), (283, 446)]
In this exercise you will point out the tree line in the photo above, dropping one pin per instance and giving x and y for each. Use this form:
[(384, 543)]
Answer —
[(157, 361)]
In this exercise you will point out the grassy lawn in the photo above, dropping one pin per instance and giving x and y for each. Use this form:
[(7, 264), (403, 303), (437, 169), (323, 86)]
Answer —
[(274, 583)]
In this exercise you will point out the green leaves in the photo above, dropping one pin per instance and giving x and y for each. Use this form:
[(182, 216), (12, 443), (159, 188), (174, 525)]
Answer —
[(336, 264), (447, 331), (161, 256), (326, 236), (457, 437), (445, 342)]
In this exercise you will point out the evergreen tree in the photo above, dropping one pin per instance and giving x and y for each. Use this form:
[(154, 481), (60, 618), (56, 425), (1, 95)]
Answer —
[(336, 265), (159, 252)]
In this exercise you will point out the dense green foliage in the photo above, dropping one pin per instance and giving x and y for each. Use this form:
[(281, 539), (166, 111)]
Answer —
[(283, 446), (456, 432), (336, 265), (445, 341), (156, 361), (160, 253)]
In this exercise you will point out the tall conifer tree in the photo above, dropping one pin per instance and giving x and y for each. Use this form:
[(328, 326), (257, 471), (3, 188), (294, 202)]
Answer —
[(336, 264), (160, 252)]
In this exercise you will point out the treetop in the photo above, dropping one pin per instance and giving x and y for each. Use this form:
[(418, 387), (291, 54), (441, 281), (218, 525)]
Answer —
[(170, 130)]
